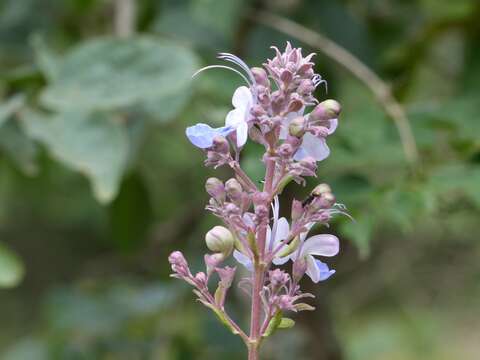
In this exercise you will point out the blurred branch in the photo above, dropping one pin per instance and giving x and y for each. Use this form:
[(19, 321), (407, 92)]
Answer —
[(125, 17), (377, 86)]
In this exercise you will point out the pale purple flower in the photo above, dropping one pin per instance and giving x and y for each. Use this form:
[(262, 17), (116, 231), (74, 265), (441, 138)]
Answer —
[(320, 245), (275, 235), (237, 118), (202, 135), (312, 146)]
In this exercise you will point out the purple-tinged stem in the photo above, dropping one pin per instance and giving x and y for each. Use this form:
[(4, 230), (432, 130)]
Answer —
[(259, 275)]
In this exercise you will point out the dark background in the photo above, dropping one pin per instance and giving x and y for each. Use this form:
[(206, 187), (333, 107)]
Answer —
[(98, 182)]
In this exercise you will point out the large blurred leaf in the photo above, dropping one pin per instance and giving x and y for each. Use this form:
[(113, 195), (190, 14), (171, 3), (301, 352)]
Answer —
[(9, 107), (11, 268), (91, 143), (21, 149), (109, 73)]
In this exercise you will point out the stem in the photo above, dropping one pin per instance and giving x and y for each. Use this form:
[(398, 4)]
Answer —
[(244, 177), (125, 12), (258, 280), (259, 275)]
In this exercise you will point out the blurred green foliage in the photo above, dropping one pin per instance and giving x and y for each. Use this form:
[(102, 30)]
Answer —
[(98, 183)]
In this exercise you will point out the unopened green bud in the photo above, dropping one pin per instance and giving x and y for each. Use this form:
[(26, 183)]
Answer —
[(297, 127), (220, 240), (234, 189), (215, 188), (321, 189)]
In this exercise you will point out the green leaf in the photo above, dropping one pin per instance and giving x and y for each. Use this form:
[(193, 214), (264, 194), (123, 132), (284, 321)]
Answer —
[(304, 307), (46, 60), (19, 147), (273, 324), (108, 73), (91, 143), (11, 106), (11, 268), (286, 323)]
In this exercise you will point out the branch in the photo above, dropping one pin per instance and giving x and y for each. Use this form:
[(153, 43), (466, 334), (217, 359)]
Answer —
[(377, 86), (125, 14)]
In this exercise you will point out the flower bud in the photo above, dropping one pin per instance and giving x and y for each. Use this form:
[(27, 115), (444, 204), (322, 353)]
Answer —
[(179, 264), (201, 278), (299, 269), (220, 145), (226, 275), (329, 198), (297, 209), (212, 261), (234, 189), (295, 105), (326, 110), (321, 189), (232, 209), (309, 165), (285, 302), (177, 258), (306, 87), (278, 278), (285, 150), (215, 189), (260, 198), (297, 127), (262, 212), (260, 76), (286, 76), (219, 239)]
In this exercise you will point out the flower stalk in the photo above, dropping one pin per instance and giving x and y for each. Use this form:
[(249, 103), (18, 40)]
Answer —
[(271, 111)]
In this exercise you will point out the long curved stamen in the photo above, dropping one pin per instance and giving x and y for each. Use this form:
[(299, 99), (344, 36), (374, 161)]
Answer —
[(317, 80), (222, 67), (335, 211), (236, 60)]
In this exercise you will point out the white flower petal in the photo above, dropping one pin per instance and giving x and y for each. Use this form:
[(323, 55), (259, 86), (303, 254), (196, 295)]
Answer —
[(242, 98), (323, 245), (333, 126), (234, 118), (281, 260), (242, 133), (312, 269), (243, 259), (314, 147), (283, 229)]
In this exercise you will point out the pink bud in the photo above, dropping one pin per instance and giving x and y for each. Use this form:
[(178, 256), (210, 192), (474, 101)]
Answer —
[(220, 145), (226, 275), (297, 209), (278, 278), (285, 150), (260, 198), (177, 258), (306, 87), (201, 279), (212, 261), (234, 190), (299, 269), (326, 110), (260, 76)]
